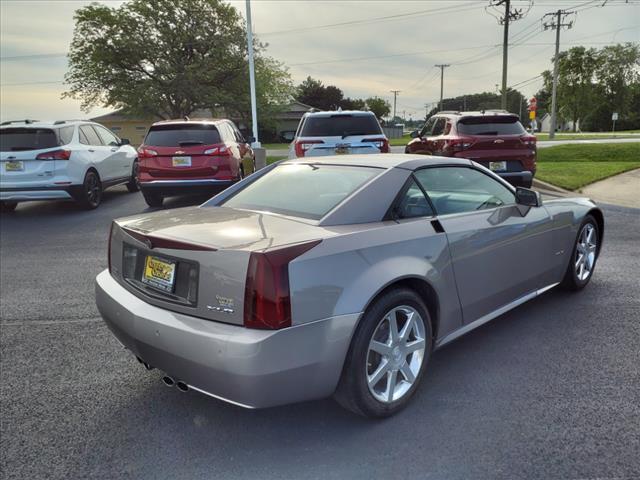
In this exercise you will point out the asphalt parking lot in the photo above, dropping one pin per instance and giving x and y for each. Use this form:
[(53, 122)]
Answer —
[(550, 390)]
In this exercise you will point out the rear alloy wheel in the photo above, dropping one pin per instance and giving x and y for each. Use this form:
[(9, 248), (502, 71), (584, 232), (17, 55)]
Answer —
[(583, 257), (8, 206), (91, 194), (153, 199), (133, 185), (388, 355)]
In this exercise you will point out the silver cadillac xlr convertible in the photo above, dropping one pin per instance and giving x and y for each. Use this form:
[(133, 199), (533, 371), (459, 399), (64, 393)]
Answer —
[(335, 276)]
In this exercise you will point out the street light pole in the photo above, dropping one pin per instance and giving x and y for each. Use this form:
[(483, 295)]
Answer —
[(252, 78)]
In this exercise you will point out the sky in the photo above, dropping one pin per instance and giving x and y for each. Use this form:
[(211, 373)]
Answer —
[(365, 47)]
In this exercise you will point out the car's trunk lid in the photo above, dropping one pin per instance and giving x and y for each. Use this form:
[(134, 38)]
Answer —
[(209, 249)]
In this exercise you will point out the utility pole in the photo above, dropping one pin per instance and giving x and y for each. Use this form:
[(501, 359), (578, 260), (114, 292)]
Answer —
[(504, 19), (556, 24), (442, 67), (252, 77), (395, 97)]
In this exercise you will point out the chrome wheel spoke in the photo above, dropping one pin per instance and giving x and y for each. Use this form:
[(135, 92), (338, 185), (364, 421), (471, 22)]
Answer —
[(416, 345), (393, 326), (407, 373), (380, 372), (407, 328), (392, 379), (381, 348)]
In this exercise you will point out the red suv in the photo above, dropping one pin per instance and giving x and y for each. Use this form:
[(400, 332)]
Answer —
[(495, 139), (187, 157)]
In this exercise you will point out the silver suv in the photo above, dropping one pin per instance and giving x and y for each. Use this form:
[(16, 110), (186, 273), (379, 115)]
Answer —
[(338, 133)]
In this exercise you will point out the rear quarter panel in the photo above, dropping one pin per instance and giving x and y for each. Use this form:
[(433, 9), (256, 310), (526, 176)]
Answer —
[(344, 274)]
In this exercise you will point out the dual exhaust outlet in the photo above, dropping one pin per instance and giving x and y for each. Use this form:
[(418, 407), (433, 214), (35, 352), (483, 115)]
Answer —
[(170, 382)]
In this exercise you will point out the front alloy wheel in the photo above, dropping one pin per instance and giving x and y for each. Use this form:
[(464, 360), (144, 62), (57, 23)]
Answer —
[(585, 257)]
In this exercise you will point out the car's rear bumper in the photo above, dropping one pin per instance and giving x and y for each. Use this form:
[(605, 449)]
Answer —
[(185, 187), (44, 192), (250, 368)]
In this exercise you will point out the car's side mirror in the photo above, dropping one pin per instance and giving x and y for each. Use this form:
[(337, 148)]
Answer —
[(125, 141), (527, 197), (251, 139), (415, 134)]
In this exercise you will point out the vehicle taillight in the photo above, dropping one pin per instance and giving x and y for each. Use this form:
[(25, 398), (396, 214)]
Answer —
[(267, 300), (109, 247), (146, 153), (381, 143), (303, 145), (55, 155), (221, 151), (458, 144), (529, 140)]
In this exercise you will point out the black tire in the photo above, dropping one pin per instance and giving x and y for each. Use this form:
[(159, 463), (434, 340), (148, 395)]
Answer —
[(133, 185), (353, 391), (241, 171), (572, 280), (6, 206), (153, 199), (91, 194)]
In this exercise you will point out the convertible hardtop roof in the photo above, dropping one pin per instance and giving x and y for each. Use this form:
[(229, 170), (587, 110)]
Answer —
[(382, 160)]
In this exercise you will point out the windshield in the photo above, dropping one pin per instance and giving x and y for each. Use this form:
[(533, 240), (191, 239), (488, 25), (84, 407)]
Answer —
[(493, 125), (340, 125), (300, 190), (177, 135), (21, 139)]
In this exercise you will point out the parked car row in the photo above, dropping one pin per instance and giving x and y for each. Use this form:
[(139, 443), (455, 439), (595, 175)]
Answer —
[(78, 160)]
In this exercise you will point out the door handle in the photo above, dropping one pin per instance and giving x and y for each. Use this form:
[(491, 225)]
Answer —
[(114, 149), (91, 150)]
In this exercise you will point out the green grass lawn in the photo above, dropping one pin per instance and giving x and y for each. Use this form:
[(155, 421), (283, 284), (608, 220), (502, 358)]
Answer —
[(542, 137), (574, 166)]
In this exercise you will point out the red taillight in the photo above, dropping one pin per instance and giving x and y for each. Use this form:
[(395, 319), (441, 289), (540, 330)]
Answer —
[(146, 153), (109, 247), (529, 140), (381, 143), (55, 155), (458, 144), (302, 146), (267, 301), (221, 151)]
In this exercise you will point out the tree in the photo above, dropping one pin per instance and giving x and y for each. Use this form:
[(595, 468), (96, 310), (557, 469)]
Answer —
[(379, 106), (353, 104), (483, 101), (314, 93), (167, 59)]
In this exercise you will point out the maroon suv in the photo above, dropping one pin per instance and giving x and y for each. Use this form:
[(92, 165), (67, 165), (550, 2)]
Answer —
[(495, 139)]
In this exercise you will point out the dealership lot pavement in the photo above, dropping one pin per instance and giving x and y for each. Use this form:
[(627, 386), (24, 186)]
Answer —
[(550, 390)]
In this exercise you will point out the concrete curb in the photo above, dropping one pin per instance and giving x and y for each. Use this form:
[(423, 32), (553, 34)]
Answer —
[(548, 186)]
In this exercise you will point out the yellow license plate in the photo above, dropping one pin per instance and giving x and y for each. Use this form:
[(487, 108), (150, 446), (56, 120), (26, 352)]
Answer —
[(14, 166), (497, 166), (159, 273), (181, 161)]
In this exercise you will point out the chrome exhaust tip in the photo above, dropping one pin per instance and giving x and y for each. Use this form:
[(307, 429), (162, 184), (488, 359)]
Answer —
[(168, 381), (183, 387)]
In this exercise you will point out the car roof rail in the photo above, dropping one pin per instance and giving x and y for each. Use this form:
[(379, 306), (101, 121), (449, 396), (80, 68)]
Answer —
[(25, 121), (455, 112)]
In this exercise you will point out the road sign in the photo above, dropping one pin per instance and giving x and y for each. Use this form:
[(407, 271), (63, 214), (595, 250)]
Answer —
[(614, 116)]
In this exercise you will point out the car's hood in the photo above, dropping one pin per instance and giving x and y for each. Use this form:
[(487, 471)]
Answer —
[(224, 228)]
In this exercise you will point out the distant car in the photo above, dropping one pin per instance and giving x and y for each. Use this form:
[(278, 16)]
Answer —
[(336, 275), (192, 157), (62, 160), (495, 139), (338, 133)]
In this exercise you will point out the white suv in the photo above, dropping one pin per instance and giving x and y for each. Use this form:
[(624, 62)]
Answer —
[(337, 133), (62, 160)]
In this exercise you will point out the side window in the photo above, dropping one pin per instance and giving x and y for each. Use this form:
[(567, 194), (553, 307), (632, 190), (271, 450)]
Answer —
[(426, 130), (107, 137), (413, 203), (66, 135), (438, 129), (462, 189), (90, 135), (238, 135)]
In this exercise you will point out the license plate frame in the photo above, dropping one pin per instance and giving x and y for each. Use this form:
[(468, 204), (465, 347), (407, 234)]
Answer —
[(181, 161), (14, 166), (159, 273), (500, 166)]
